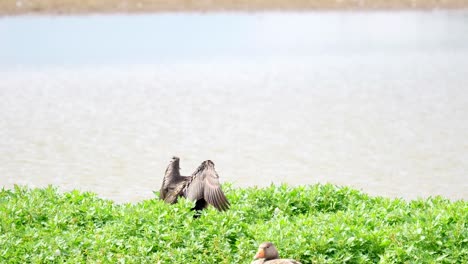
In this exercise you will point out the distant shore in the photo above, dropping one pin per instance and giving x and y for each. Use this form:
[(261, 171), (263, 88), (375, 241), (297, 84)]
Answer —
[(20, 7)]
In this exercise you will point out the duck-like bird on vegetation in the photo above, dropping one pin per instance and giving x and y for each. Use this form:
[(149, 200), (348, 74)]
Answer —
[(202, 186), (268, 254)]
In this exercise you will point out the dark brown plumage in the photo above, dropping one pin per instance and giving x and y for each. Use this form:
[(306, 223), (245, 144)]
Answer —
[(268, 254), (172, 182), (202, 186)]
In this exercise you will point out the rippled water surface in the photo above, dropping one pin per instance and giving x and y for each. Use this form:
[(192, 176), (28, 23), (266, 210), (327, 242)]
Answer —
[(377, 101)]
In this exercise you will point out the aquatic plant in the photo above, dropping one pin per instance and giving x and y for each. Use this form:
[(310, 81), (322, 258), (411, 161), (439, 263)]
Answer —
[(314, 224)]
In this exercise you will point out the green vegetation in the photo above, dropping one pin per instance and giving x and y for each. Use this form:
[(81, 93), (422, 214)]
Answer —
[(314, 224)]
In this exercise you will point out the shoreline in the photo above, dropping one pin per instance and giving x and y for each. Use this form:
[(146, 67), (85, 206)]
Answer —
[(69, 7)]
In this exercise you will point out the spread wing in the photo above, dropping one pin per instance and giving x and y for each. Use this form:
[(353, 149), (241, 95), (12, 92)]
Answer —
[(171, 178), (164, 189), (213, 193), (205, 185), (195, 188)]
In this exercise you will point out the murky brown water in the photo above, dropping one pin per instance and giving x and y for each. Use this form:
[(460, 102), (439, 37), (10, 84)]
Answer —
[(387, 114)]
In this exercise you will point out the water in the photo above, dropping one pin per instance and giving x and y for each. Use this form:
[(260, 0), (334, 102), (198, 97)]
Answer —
[(376, 101)]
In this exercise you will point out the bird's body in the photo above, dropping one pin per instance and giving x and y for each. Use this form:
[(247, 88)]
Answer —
[(275, 261), (202, 186), (268, 254)]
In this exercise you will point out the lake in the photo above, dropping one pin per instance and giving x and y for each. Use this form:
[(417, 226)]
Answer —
[(373, 100)]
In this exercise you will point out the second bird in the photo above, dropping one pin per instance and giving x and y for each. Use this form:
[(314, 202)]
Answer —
[(202, 186)]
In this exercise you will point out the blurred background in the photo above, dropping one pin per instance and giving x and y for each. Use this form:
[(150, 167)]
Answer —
[(99, 98)]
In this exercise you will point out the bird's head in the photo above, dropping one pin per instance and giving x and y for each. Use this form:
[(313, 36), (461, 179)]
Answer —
[(267, 251)]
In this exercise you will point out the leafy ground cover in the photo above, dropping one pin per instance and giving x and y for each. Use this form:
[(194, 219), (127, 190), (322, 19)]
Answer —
[(314, 224)]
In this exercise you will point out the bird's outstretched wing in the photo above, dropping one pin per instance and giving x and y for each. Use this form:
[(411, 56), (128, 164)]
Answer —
[(205, 185), (172, 171), (213, 193)]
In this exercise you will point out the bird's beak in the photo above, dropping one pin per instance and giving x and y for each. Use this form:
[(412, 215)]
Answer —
[(260, 254)]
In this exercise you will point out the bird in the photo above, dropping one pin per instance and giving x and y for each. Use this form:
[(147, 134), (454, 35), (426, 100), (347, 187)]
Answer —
[(202, 186), (268, 254)]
